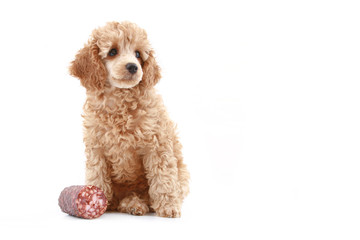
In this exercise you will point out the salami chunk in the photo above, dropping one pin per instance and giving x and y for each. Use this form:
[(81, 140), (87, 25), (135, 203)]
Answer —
[(83, 201)]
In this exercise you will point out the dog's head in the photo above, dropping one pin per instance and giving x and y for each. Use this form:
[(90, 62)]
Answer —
[(117, 55)]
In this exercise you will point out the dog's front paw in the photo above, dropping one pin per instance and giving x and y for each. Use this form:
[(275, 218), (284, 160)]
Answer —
[(169, 211)]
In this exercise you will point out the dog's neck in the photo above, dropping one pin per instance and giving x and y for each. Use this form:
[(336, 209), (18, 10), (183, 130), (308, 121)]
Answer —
[(113, 99)]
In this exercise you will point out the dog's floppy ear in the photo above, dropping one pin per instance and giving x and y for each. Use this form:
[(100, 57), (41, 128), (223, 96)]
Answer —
[(89, 68), (151, 71)]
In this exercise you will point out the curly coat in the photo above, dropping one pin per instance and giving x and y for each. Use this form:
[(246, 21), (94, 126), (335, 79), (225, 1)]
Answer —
[(132, 150)]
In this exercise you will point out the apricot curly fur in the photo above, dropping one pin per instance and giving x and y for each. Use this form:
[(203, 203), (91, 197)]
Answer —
[(132, 149)]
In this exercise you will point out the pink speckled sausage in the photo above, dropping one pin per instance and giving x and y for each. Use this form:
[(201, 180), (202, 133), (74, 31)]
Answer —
[(83, 201)]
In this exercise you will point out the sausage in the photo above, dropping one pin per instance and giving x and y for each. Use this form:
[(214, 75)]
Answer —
[(83, 201)]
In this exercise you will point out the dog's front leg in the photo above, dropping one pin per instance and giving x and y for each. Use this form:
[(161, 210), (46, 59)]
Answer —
[(164, 186), (97, 172)]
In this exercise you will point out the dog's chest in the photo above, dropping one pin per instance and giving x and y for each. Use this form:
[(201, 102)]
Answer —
[(125, 167), (123, 139), (124, 131)]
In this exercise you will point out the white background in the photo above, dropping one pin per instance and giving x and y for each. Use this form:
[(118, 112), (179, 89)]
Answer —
[(265, 94)]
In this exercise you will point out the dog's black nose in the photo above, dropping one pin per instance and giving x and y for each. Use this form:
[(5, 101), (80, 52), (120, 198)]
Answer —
[(131, 67)]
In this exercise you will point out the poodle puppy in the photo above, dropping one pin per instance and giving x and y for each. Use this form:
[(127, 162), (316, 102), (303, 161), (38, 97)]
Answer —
[(132, 150)]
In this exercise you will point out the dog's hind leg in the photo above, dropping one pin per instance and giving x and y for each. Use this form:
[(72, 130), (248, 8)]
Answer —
[(132, 204)]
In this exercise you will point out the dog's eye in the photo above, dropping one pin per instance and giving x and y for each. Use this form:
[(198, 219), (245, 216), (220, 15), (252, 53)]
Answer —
[(137, 54), (112, 52)]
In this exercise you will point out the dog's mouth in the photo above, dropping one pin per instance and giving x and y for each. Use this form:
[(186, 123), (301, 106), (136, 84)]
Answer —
[(125, 81), (128, 79)]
